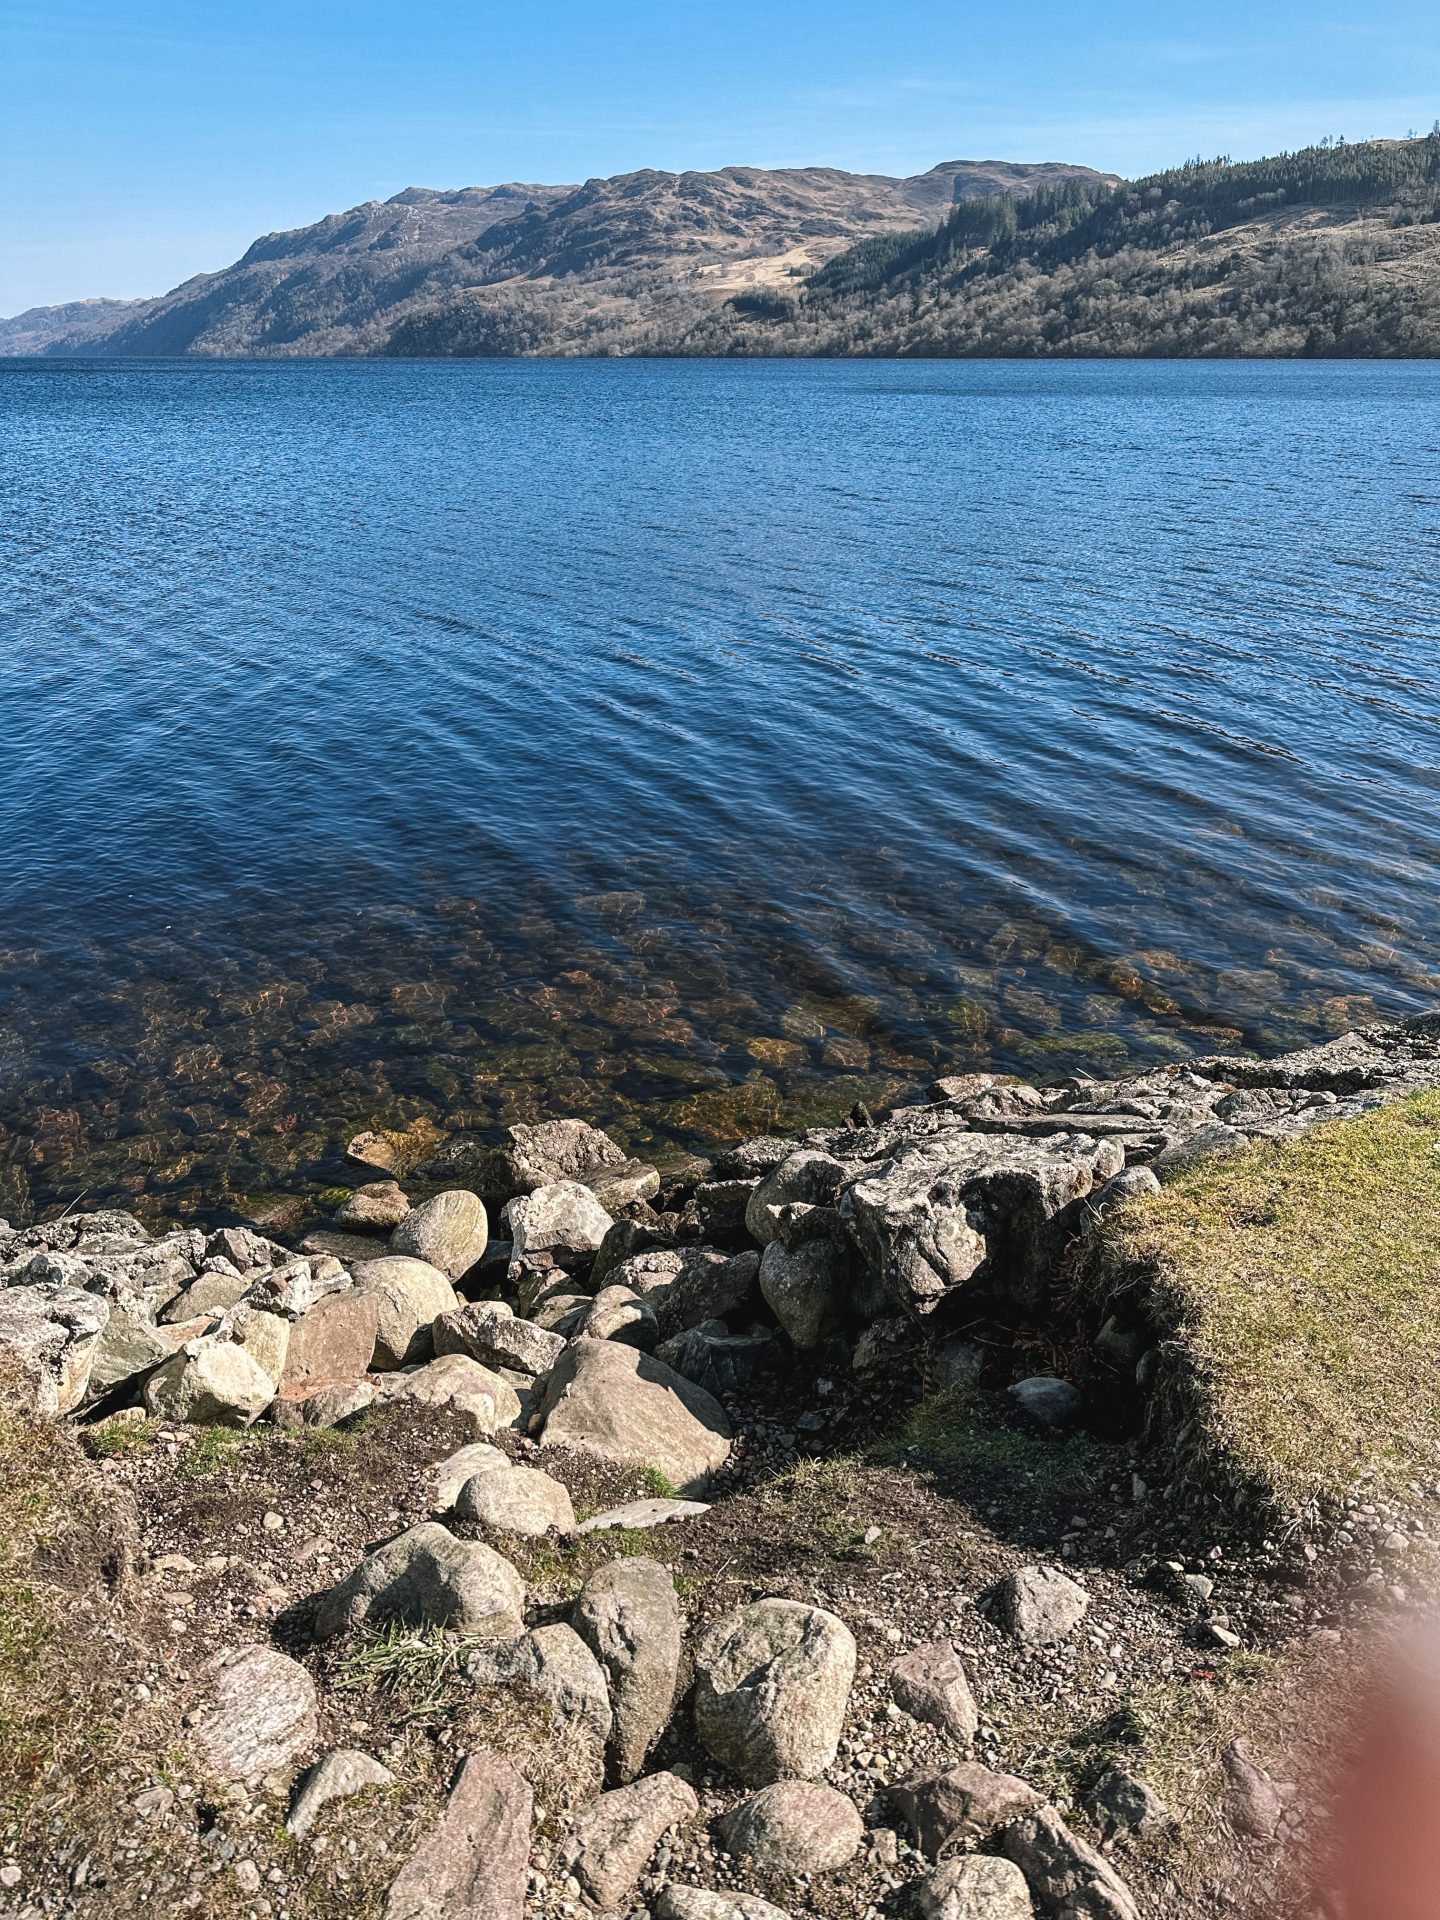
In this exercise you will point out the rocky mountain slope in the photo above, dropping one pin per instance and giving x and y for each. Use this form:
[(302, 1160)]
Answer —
[(522, 268), (783, 1534)]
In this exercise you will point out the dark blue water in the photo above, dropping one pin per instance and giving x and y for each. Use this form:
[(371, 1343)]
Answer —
[(690, 745)]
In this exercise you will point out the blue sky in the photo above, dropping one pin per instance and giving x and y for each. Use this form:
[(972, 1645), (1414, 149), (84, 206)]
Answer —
[(142, 141)]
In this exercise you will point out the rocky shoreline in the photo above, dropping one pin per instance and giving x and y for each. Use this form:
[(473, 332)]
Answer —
[(634, 1490)]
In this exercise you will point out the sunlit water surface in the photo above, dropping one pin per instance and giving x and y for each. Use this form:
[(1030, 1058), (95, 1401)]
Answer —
[(690, 746)]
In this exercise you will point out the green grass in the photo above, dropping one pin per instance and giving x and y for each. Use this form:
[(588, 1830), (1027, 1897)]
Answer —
[(120, 1438), (658, 1485), (1293, 1289), (950, 1432)]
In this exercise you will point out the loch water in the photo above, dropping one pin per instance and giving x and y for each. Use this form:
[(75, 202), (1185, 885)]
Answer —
[(693, 746)]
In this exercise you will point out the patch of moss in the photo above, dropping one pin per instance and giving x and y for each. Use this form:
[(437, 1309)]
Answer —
[(951, 1433), (1293, 1290)]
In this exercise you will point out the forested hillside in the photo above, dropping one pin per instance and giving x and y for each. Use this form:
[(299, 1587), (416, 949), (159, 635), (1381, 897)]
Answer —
[(1333, 250)]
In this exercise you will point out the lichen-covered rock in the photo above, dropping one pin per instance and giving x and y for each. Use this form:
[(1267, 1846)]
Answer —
[(617, 1313), (490, 1332), (944, 1207), (555, 1665), (129, 1348), (614, 1837), (265, 1337), (722, 1362), (49, 1335), (255, 1713), (1068, 1876), (455, 1380), (808, 1178), (450, 1231), (340, 1775), (462, 1465), (335, 1338), (794, 1827), (410, 1295), (620, 1405), (772, 1682), (975, 1889), (684, 1286), (629, 1616), (960, 1806), (425, 1577), (541, 1155), (804, 1287), (210, 1383), (474, 1864), (564, 1220)]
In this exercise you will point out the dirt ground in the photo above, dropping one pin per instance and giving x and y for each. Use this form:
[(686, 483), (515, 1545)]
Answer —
[(895, 1511)]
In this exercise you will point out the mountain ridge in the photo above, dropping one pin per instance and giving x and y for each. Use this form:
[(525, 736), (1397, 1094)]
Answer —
[(345, 283)]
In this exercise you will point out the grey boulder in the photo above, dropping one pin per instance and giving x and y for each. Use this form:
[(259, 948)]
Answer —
[(564, 1220), (772, 1682), (340, 1775), (805, 1288), (1048, 1401), (618, 1404), (519, 1500), (699, 1903), (210, 1383), (804, 1179), (450, 1231), (629, 1616), (975, 1889), (409, 1295), (943, 1208), (614, 1837), (475, 1863), (1039, 1606), (960, 1806), (617, 1313), (255, 1714), (489, 1331), (426, 1577), (931, 1683), (49, 1333), (1069, 1877), (794, 1827)]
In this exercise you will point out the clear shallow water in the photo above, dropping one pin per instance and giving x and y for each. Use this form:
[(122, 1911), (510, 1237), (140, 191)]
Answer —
[(689, 745)]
